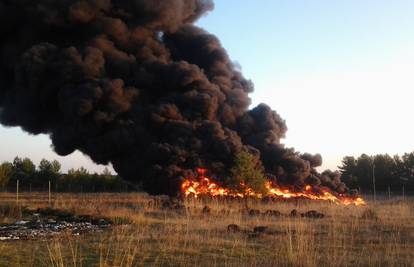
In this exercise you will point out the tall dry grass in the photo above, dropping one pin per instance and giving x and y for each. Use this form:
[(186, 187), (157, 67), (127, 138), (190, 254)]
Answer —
[(379, 234)]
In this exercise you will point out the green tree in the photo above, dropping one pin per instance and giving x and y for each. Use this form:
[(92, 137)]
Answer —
[(23, 169), (247, 169), (45, 166), (79, 179), (405, 171), (364, 171), (6, 169), (390, 172), (384, 171), (56, 166), (48, 171), (348, 171)]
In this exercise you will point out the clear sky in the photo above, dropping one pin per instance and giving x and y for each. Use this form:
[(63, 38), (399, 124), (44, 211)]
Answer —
[(340, 72)]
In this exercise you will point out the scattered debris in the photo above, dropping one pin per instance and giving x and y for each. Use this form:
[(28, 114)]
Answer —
[(254, 212), (260, 229), (273, 213), (47, 223), (21, 222), (294, 213), (313, 214)]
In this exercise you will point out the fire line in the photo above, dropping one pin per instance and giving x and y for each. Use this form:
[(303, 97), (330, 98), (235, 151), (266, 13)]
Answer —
[(204, 186)]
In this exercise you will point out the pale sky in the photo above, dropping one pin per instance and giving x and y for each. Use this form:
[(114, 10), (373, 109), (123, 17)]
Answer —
[(341, 73)]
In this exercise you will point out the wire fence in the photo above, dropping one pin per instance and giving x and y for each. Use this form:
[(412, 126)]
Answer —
[(56, 187), (50, 188)]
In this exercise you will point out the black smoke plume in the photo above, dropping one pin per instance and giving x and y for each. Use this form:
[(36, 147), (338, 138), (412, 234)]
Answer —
[(135, 83)]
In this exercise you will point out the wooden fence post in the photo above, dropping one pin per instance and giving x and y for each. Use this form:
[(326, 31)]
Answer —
[(17, 192), (403, 192), (389, 193), (50, 194)]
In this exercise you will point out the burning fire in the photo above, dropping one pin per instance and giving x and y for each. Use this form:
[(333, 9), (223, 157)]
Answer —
[(206, 187)]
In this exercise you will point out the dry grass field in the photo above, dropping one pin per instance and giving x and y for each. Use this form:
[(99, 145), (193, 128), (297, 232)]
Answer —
[(154, 233)]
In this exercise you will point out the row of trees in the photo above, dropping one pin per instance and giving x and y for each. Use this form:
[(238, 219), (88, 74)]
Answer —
[(37, 178), (390, 172)]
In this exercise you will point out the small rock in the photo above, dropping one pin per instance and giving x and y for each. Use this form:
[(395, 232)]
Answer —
[(206, 210), (233, 228), (254, 212), (273, 213), (260, 229), (21, 222), (313, 214)]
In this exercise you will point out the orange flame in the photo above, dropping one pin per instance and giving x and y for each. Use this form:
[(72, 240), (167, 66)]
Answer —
[(205, 187)]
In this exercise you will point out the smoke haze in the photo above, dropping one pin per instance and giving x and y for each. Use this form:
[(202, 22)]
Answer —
[(135, 83)]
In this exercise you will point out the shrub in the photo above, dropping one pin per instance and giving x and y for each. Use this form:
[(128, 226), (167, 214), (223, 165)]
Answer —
[(247, 169)]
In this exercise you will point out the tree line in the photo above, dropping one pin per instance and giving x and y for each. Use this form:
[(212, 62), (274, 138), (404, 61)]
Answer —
[(393, 173), (32, 177)]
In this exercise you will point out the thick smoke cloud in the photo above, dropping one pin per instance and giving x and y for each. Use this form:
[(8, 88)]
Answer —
[(135, 83)]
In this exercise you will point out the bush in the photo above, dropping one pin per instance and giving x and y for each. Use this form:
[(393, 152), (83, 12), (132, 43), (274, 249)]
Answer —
[(247, 169)]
